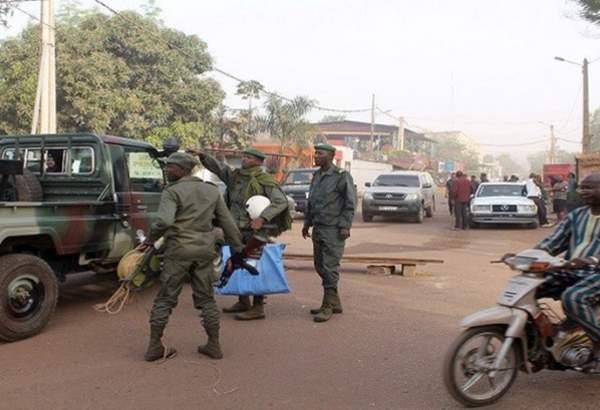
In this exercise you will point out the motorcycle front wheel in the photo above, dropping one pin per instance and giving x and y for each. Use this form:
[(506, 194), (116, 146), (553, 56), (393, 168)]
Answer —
[(469, 362)]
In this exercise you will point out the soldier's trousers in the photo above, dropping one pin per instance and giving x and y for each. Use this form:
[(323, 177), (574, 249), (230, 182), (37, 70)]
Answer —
[(202, 276), (328, 249)]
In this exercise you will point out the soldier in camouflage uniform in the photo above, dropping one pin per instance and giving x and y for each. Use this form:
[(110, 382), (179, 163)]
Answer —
[(330, 209), (242, 184), (188, 207)]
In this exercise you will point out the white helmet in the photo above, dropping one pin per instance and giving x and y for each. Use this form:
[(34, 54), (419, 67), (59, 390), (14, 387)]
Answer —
[(256, 204)]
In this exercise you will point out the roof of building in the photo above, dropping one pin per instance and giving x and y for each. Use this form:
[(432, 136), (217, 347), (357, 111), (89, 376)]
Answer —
[(350, 127)]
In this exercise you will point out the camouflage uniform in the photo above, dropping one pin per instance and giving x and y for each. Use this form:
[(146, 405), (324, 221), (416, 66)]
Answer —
[(237, 182), (331, 205), (187, 210)]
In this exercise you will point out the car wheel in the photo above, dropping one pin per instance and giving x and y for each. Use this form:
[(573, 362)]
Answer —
[(420, 216), (366, 217), (28, 296), (534, 225), (429, 212)]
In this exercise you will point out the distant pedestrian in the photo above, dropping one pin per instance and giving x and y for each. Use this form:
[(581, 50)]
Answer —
[(474, 183), (513, 178), (559, 197), (573, 200), (449, 184), (461, 195), (535, 194), (483, 178)]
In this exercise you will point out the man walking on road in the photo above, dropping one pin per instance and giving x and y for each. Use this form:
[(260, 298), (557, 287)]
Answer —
[(330, 210), (242, 184), (187, 209), (449, 184), (461, 195)]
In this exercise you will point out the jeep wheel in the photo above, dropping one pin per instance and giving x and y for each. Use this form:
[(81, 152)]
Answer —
[(420, 215), (366, 217), (28, 296)]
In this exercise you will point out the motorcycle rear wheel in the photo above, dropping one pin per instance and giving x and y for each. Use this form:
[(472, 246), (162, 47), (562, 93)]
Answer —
[(467, 366)]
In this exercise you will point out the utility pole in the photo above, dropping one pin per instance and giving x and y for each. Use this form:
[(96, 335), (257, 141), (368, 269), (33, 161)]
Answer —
[(552, 155), (372, 121), (586, 139), (401, 133), (44, 114)]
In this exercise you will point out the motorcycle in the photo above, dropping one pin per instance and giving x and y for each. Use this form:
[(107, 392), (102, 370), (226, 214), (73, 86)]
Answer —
[(521, 333)]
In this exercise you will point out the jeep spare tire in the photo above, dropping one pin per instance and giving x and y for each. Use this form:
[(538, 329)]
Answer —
[(28, 187), (28, 296)]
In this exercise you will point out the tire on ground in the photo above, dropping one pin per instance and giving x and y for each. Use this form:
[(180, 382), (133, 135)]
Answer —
[(28, 187), (24, 271)]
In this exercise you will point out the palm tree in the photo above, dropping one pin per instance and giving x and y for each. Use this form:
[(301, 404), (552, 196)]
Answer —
[(286, 120)]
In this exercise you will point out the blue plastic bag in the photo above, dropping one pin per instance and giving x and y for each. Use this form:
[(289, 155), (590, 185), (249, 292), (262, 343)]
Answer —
[(271, 279)]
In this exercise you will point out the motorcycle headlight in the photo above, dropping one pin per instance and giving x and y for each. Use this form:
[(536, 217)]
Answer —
[(368, 196), (481, 208), (411, 197)]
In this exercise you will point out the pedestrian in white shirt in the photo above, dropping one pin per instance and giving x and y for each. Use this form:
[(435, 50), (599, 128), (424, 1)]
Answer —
[(534, 193)]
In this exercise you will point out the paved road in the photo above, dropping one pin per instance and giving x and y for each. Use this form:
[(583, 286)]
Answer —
[(384, 352)]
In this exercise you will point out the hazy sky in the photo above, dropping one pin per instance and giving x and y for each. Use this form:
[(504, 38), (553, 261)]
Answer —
[(483, 67)]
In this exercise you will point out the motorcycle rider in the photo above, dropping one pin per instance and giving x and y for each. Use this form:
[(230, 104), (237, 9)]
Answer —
[(578, 285)]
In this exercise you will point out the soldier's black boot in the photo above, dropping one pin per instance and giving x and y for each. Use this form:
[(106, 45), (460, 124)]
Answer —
[(242, 305), (156, 350), (257, 311), (317, 310), (327, 311), (212, 348)]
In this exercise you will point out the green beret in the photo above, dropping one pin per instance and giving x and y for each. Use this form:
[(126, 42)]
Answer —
[(185, 161), (255, 153), (325, 147)]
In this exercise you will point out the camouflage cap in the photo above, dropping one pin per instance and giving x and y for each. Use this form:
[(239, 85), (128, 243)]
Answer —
[(255, 153), (324, 147), (185, 161)]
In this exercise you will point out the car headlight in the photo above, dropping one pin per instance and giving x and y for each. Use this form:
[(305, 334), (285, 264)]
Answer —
[(481, 208), (368, 196), (411, 197), (527, 209)]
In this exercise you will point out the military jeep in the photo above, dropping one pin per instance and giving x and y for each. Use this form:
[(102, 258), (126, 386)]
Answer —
[(68, 204)]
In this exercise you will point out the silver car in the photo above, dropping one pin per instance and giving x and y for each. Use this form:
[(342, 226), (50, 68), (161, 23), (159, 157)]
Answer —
[(400, 193)]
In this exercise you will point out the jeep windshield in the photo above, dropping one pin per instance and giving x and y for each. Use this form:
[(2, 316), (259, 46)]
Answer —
[(397, 180), (298, 178), (501, 190)]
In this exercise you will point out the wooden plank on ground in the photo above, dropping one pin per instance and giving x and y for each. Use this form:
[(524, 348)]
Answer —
[(367, 259)]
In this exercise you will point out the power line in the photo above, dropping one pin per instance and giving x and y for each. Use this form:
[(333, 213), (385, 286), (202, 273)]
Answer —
[(567, 140), (33, 16), (569, 117), (217, 69)]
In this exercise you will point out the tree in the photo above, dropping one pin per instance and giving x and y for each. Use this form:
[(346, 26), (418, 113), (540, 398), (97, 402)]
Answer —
[(509, 165), (286, 120), (6, 10), (449, 148), (595, 130), (333, 118), (589, 10), (126, 76), (538, 159)]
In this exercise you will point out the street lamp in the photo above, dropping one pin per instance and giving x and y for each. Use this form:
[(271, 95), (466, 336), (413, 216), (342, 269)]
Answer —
[(586, 138)]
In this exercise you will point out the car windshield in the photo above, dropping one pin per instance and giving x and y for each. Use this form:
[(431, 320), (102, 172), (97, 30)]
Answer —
[(298, 178), (397, 180), (501, 190)]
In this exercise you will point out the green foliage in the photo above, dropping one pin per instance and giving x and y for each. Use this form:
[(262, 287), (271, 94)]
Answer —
[(132, 77), (589, 10), (510, 166), (249, 89), (538, 159), (286, 121), (333, 118), (449, 148)]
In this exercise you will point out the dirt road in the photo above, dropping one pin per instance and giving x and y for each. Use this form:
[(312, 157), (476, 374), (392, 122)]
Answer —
[(384, 352)]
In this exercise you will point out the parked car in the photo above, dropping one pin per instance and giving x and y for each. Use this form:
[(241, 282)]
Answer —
[(296, 185), (400, 193), (503, 203)]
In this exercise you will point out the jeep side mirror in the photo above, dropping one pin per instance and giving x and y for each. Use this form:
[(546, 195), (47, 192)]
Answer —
[(368, 184)]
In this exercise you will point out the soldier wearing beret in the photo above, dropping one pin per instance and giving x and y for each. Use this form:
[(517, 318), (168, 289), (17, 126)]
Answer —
[(242, 184), (330, 210), (188, 207)]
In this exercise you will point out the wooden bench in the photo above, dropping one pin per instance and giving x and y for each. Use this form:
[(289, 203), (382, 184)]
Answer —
[(375, 264)]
